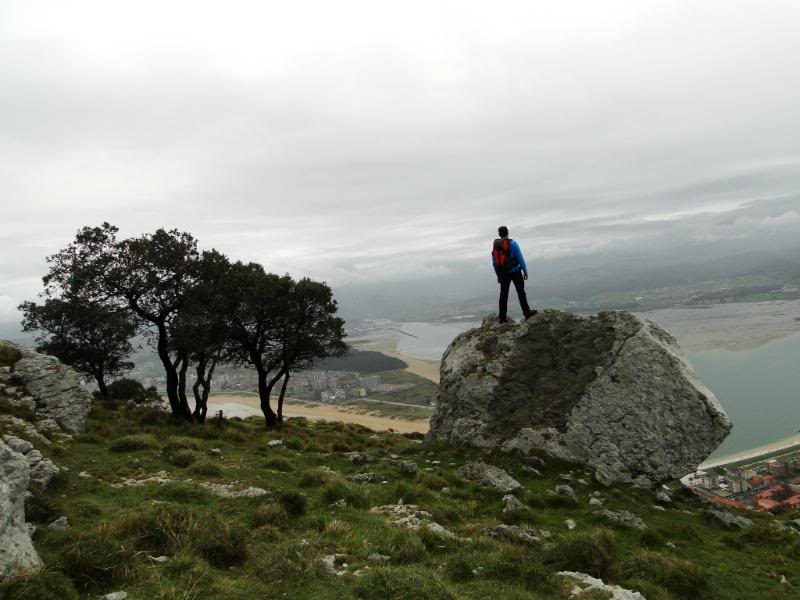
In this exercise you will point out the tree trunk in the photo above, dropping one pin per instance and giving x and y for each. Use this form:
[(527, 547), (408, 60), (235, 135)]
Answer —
[(282, 394), (183, 361), (265, 385), (198, 399), (207, 387), (204, 382), (171, 372), (101, 383)]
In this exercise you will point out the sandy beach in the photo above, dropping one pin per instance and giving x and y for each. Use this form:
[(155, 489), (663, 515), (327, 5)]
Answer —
[(776, 446), (245, 405), (429, 369), (734, 326)]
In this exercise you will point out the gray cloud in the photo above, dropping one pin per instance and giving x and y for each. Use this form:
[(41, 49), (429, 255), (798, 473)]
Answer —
[(358, 143)]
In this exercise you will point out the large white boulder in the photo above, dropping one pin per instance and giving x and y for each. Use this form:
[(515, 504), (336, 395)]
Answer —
[(610, 391)]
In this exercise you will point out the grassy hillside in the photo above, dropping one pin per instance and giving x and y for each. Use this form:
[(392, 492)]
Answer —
[(273, 546)]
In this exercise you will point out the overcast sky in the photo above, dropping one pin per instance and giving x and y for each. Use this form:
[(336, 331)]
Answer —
[(360, 141)]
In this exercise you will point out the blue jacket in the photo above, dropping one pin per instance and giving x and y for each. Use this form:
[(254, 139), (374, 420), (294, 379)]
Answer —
[(516, 253)]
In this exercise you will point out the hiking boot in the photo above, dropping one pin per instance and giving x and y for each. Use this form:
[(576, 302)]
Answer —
[(531, 314)]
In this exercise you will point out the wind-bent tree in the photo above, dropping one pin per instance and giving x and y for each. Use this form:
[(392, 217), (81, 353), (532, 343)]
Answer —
[(93, 339), (200, 331), (312, 331), (256, 318), (150, 275)]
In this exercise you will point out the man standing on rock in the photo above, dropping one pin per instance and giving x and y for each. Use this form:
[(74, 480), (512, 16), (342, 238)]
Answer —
[(509, 266)]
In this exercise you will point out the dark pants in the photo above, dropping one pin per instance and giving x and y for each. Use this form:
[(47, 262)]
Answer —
[(519, 285)]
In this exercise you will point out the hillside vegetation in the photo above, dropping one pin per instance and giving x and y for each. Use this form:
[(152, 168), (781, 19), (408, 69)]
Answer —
[(277, 545)]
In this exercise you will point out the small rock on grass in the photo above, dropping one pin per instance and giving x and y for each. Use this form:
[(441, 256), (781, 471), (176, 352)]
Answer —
[(409, 467), (511, 504), (729, 520), (59, 524), (488, 475), (623, 518), (116, 596)]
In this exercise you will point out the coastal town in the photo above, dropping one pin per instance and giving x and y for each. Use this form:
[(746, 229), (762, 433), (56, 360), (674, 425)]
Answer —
[(770, 483), (326, 386)]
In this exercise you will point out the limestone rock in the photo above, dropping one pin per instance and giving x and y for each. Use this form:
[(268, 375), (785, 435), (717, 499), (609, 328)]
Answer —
[(511, 504), (55, 389), (41, 469), (512, 533), (565, 490), (60, 524), (728, 520), (612, 391), (623, 518), (589, 584), (488, 475), (16, 549), (409, 467), (412, 517), (229, 490)]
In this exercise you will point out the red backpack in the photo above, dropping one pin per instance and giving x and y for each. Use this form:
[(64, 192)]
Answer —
[(502, 256)]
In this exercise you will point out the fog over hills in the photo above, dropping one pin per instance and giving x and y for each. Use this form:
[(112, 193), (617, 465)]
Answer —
[(378, 147)]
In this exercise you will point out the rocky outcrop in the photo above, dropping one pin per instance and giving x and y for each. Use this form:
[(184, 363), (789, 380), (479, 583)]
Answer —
[(41, 470), (46, 387), (610, 391), (16, 549)]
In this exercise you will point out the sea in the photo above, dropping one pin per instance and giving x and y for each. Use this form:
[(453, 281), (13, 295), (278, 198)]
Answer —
[(759, 389)]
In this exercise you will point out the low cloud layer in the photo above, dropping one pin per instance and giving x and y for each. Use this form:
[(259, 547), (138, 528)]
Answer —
[(362, 144)]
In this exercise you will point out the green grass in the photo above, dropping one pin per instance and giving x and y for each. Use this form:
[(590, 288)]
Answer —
[(272, 546), (423, 392)]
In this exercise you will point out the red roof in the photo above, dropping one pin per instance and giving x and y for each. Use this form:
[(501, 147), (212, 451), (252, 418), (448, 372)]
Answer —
[(727, 502), (770, 492), (793, 501), (759, 479), (766, 504)]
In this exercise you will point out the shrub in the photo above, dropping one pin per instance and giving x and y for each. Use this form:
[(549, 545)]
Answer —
[(160, 529), (40, 509), (131, 443), (515, 565), (182, 458), (183, 493), (20, 412), (127, 389), (280, 464), (402, 583), (336, 489), (270, 513), (314, 478), (680, 577), (337, 528), (152, 416), (8, 355), (295, 503), (652, 539), (587, 552), (94, 560), (42, 585), (404, 546), (206, 468), (559, 501), (459, 569), (223, 545)]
